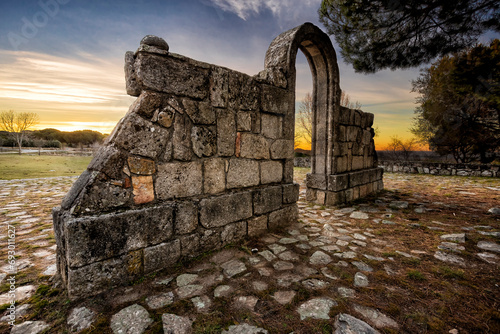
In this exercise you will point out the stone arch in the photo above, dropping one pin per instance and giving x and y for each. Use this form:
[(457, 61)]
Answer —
[(319, 51), (343, 161)]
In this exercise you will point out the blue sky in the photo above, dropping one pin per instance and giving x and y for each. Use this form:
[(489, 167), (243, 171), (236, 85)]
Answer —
[(64, 58)]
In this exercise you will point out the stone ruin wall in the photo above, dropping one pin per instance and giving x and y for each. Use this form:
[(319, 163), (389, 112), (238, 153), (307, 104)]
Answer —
[(202, 159)]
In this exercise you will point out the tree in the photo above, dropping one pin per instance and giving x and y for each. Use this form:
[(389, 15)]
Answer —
[(402, 150), (459, 109), (304, 117), (17, 124), (379, 34)]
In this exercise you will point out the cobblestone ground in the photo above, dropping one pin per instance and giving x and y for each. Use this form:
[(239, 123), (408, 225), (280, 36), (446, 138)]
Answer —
[(421, 257)]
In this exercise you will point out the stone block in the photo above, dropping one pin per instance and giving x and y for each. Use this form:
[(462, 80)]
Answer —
[(367, 137), (172, 74), (338, 182), (234, 232), (257, 226), (131, 84), (357, 118), (357, 162), (204, 140), (335, 198), (355, 179), (271, 171), (200, 113), (140, 137), (214, 176), (242, 173), (143, 189), (235, 80), (271, 126), (222, 210), (97, 238), (352, 133), (186, 217), (179, 179), (181, 139), (316, 181), (243, 121), (282, 149), (161, 256), (291, 193), (219, 87), (275, 100), (148, 103), (253, 146), (108, 160), (320, 197), (250, 94), (226, 133), (97, 277), (267, 199), (210, 240), (369, 119), (190, 245), (283, 217), (311, 194), (134, 261), (141, 166), (341, 164), (288, 171)]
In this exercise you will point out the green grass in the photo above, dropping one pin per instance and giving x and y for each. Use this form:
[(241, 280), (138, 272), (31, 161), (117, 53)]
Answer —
[(14, 166)]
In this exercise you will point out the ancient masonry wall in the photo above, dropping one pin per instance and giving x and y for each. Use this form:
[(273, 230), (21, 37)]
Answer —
[(204, 158), (355, 162), (439, 168)]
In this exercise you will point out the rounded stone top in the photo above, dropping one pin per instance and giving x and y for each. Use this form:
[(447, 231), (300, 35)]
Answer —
[(155, 41)]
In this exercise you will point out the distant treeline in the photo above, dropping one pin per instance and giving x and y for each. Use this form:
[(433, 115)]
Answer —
[(55, 138)]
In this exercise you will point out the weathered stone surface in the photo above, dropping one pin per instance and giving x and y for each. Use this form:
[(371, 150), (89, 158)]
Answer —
[(347, 324), (133, 319), (204, 141), (234, 232), (152, 40), (253, 146), (271, 172), (226, 133), (202, 303), (141, 166), (267, 200), (377, 318), (161, 256), (190, 244), (111, 235), (186, 217), (171, 75), (245, 302), (450, 258), (80, 318), (291, 193), (282, 217), (29, 327), (317, 308), (199, 112), (189, 291), (489, 246), (174, 324), (243, 121), (360, 280), (275, 100), (457, 237), (257, 226), (271, 126), (219, 87), (284, 297), (143, 189), (140, 137), (181, 139), (179, 179), (282, 149), (222, 210), (244, 329), (214, 171), (131, 84), (222, 291), (242, 173), (233, 268), (158, 301), (320, 258)]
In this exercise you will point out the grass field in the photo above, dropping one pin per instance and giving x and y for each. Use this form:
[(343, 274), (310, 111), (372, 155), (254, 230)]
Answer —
[(14, 166)]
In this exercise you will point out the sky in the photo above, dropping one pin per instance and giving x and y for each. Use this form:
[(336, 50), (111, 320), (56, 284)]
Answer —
[(63, 59)]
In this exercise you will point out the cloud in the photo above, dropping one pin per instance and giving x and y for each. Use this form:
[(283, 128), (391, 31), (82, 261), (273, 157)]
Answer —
[(279, 8)]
